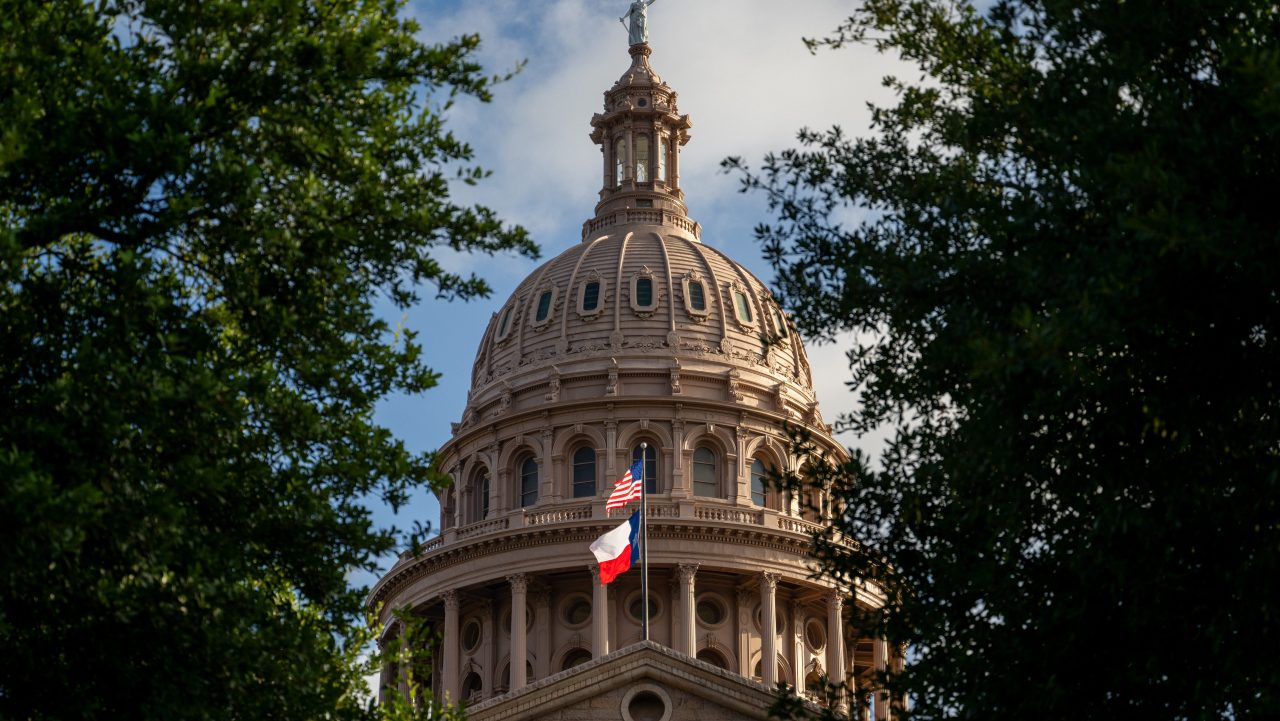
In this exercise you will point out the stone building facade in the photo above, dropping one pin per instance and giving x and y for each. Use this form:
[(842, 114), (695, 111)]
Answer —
[(640, 334)]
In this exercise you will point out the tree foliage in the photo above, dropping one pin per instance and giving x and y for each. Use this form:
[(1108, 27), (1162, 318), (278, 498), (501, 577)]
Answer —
[(201, 205), (1059, 252)]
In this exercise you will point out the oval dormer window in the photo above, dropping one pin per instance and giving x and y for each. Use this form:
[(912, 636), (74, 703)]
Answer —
[(697, 297), (644, 292), (505, 323), (544, 306), (591, 296), (782, 324), (743, 307)]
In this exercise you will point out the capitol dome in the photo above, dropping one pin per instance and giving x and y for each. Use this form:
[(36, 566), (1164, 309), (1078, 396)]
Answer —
[(637, 341)]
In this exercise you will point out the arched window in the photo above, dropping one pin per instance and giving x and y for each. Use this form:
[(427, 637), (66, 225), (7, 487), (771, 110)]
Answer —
[(576, 657), (619, 161), (528, 482), (642, 159), (704, 473), (591, 296), (662, 159), (544, 306), (713, 657), (650, 467), (584, 472), (472, 687), (481, 500), (759, 475)]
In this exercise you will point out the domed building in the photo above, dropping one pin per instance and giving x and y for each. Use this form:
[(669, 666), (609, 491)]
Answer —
[(639, 340)]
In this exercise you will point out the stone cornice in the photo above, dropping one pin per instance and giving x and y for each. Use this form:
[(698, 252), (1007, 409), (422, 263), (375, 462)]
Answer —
[(695, 530)]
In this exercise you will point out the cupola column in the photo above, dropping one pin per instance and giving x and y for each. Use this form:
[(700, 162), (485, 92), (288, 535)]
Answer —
[(519, 630), (450, 670), (769, 628), (599, 614)]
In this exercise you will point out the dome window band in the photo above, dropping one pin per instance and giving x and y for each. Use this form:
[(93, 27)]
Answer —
[(759, 475), (528, 482), (704, 473), (642, 159), (584, 473), (650, 466), (482, 496)]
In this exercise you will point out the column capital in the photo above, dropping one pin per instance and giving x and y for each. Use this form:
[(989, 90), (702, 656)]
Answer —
[(450, 598), (595, 573), (687, 571), (769, 581), (519, 582), (745, 596), (834, 597)]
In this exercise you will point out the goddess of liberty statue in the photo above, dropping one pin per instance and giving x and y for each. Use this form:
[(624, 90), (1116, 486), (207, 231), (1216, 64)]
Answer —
[(638, 29)]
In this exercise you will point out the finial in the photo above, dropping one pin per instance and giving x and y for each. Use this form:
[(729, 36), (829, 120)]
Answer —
[(638, 27)]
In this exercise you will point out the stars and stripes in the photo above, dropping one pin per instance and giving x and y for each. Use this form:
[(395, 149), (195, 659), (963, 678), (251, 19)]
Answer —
[(628, 489)]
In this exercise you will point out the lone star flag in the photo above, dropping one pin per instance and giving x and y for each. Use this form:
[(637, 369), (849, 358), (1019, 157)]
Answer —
[(628, 489), (617, 549)]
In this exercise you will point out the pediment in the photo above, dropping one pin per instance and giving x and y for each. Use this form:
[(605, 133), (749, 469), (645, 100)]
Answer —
[(631, 679)]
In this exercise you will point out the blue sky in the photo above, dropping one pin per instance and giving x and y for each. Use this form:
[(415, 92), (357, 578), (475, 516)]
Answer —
[(742, 74)]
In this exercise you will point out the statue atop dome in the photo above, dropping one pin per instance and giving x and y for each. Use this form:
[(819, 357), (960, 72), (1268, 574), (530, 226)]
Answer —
[(638, 29)]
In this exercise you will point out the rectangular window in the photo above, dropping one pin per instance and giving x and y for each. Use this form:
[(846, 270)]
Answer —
[(697, 299), (644, 292), (591, 296)]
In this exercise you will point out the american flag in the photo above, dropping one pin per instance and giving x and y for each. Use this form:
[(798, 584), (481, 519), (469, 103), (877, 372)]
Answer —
[(627, 489)]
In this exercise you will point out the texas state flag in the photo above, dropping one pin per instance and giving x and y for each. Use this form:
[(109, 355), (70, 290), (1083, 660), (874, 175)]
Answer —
[(618, 549)]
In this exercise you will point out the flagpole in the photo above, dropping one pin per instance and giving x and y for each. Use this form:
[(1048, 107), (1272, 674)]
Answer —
[(644, 539)]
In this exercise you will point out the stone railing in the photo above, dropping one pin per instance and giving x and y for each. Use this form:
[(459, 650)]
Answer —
[(642, 215), (483, 527), (728, 514), (558, 515), (798, 525)]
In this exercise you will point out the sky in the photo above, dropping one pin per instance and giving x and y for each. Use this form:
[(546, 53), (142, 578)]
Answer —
[(743, 75)]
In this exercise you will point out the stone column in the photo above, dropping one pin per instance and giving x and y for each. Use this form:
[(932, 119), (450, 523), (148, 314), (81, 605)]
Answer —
[(541, 632), (599, 614), (610, 454), (797, 643), (547, 471), (835, 637), (688, 621), (880, 660), (451, 646), (679, 483), (769, 628), (519, 632), (744, 597)]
